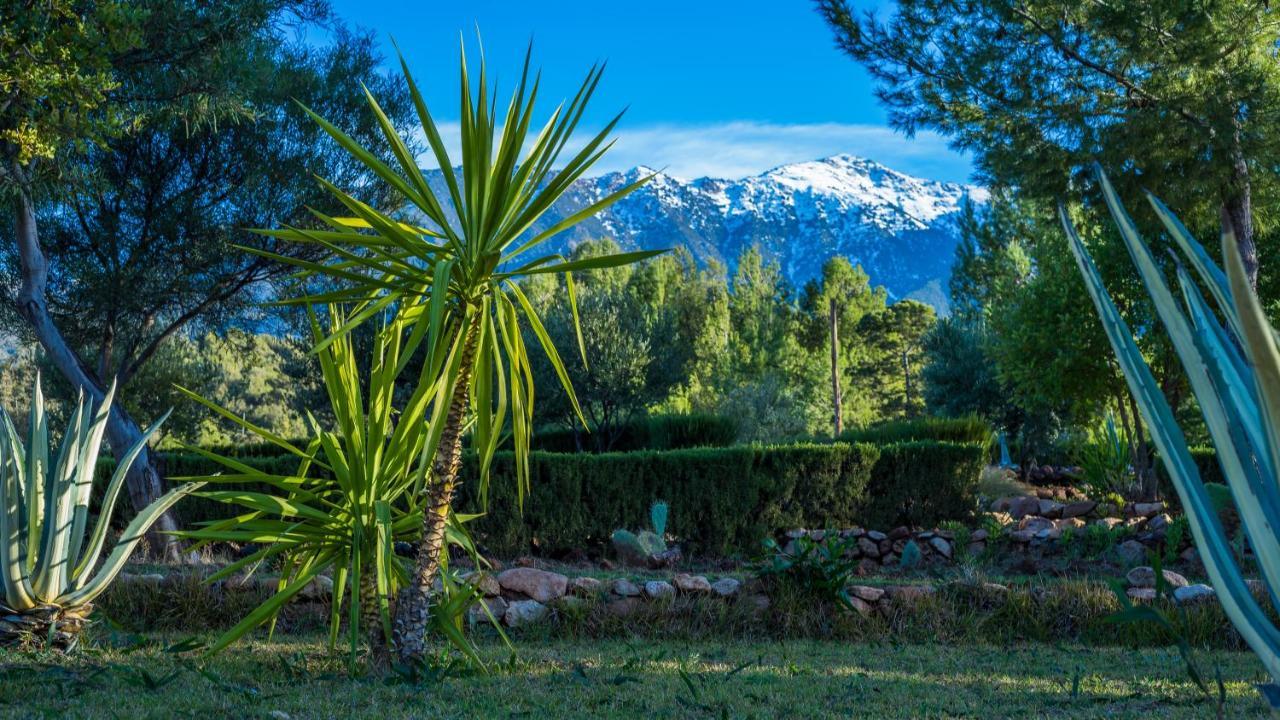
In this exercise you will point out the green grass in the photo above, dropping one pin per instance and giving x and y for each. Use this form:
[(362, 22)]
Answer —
[(295, 678)]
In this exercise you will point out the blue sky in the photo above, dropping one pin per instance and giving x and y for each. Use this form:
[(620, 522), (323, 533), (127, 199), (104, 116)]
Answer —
[(713, 87)]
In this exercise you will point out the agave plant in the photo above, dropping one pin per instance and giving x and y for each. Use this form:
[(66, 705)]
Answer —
[(355, 493), (49, 567), (1232, 360), (452, 273)]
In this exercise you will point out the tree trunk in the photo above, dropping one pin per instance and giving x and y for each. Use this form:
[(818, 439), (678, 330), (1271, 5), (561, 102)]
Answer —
[(837, 402), (1237, 211), (371, 618), (414, 602), (143, 480)]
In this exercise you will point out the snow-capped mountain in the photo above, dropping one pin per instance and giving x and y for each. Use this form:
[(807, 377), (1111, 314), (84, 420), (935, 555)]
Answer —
[(901, 229)]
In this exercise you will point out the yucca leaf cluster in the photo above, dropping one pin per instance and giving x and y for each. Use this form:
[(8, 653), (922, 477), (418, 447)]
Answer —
[(1232, 360)]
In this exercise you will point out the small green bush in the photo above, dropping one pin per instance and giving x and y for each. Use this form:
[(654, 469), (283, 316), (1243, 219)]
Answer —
[(655, 432), (959, 430)]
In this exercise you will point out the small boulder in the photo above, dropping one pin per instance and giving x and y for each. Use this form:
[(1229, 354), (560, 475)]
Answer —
[(866, 593), (1079, 509), (940, 545), (1024, 506), (1148, 509), (869, 547), (1050, 508), (691, 584), (496, 606), (1132, 551), (1145, 577), (861, 606), (486, 583), (877, 535), (726, 587), (1192, 594), (540, 585), (585, 586), (656, 589), (320, 587), (523, 612), (625, 588), (867, 566), (1035, 523), (1022, 536), (901, 532), (1159, 522)]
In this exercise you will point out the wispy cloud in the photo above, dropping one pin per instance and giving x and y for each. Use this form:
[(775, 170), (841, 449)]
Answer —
[(743, 148)]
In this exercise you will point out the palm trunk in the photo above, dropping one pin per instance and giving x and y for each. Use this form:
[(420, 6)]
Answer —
[(409, 630), (371, 618), (143, 481)]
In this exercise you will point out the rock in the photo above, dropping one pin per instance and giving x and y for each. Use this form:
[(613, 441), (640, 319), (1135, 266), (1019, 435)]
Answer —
[(976, 548), (877, 535), (1142, 594), (1192, 594), (497, 606), (1145, 577), (540, 585), (625, 607), (1024, 506), (525, 561), (979, 535), (156, 579), (1051, 508), (1132, 551), (1022, 536), (625, 588), (656, 589), (861, 606), (869, 547), (1001, 519), (1034, 523), (867, 566), (1108, 522), (522, 612), (1002, 504), (320, 587), (585, 586), (1148, 509), (484, 582), (726, 587), (1066, 523), (1159, 522), (901, 532), (941, 546), (1079, 509), (866, 592), (687, 583), (796, 533), (817, 535), (1190, 555)]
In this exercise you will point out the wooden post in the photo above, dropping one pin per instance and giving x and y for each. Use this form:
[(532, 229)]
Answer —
[(836, 400)]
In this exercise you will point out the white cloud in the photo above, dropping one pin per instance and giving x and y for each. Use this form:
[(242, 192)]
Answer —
[(743, 148)]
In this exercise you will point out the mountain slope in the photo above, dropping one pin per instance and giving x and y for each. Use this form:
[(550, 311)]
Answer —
[(901, 229)]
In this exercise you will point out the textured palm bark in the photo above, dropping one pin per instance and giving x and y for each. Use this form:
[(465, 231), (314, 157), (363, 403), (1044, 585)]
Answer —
[(371, 620), (413, 606)]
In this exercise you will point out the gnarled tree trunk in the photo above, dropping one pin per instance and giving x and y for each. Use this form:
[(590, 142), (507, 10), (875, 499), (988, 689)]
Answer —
[(413, 606), (143, 480)]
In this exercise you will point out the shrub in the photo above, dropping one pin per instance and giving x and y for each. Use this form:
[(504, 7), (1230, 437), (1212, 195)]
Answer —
[(923, 483), (959, 430), (656, 432)]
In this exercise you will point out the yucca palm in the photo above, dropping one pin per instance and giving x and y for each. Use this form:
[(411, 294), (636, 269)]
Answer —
[(1233, 367), (452, 274), (49, 568), (356, 492)]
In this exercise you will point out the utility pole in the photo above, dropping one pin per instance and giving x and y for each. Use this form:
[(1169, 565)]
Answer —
[(836, 400)]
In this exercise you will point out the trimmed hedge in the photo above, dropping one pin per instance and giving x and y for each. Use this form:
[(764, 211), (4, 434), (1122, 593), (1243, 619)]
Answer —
[(655, 432), (725, 501), (957, 430)]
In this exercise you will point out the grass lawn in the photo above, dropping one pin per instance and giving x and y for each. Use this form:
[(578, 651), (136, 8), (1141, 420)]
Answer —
[(295, 678)]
